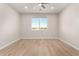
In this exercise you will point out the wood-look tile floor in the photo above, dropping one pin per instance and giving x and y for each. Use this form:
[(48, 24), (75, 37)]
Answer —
[(39, 47)]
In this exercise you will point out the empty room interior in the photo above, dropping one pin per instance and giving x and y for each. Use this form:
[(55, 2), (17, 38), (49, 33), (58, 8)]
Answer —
[(39, 29)]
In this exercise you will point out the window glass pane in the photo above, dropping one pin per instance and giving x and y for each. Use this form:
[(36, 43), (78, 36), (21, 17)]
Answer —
[(43, 23), (35, 23)]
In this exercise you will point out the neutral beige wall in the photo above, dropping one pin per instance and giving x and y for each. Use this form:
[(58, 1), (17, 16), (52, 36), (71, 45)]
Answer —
[(9, 25), (69, 24), (27, 32)]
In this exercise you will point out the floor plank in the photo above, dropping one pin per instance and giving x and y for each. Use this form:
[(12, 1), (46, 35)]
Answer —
[(39, 47)]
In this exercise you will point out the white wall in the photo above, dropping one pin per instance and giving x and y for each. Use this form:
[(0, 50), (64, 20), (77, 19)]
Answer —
[(9, 25), (69, 24), (28, 33)]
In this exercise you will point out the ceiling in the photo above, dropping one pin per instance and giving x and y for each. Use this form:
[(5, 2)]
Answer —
[(33, 7)]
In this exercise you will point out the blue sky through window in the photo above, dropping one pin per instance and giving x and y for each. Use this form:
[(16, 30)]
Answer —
[(43, 22), (35, 22)]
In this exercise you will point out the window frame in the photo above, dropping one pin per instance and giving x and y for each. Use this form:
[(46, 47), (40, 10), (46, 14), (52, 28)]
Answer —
[(39, 23)]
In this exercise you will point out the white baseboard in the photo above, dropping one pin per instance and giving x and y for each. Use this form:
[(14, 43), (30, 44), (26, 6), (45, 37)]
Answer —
[(39, 38), (8, 44), (69, 44)]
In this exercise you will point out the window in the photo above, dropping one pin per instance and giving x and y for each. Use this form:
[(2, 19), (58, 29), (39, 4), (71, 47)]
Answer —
[(39, 23)]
